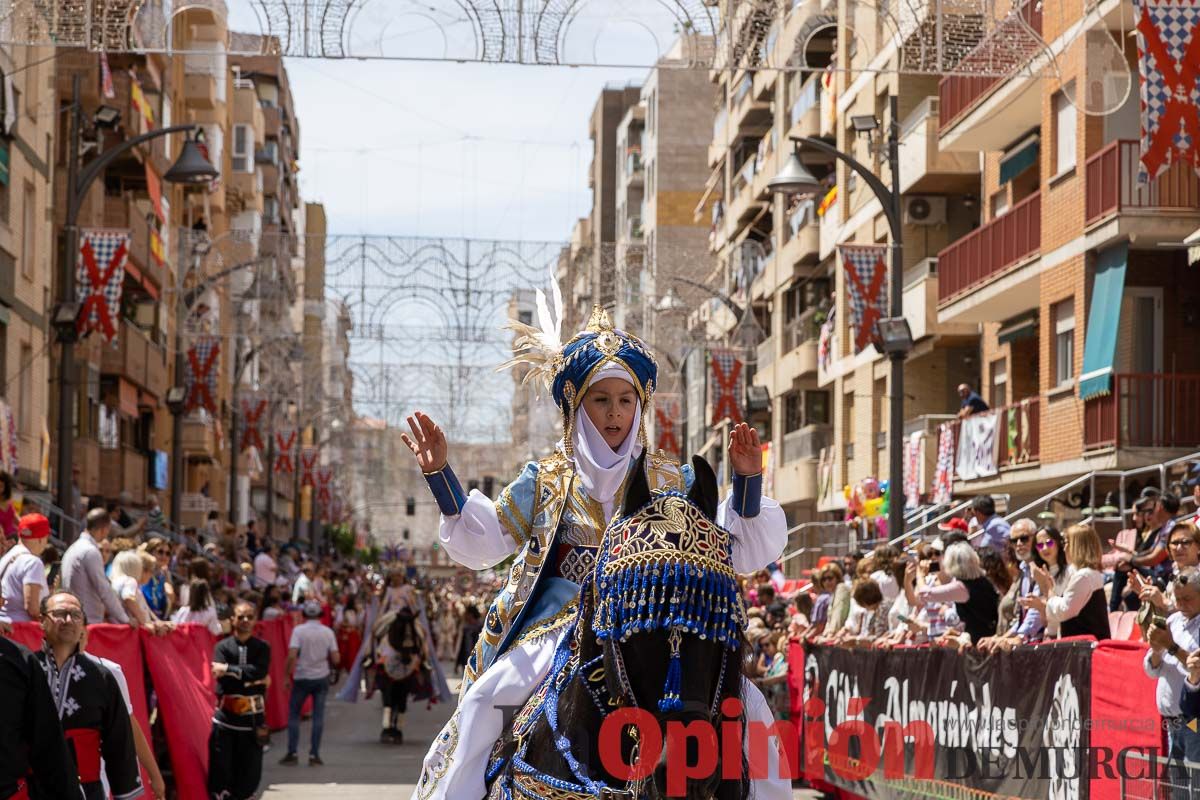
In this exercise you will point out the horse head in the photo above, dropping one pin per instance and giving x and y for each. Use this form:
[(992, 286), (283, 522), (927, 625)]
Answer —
[(665, 595)]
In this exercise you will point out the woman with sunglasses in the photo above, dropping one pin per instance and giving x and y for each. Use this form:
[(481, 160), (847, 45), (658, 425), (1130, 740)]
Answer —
[(1183, 545), (158, 591), (1076, 607)]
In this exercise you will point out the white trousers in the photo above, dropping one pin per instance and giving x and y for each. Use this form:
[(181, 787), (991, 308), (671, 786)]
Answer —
[(456, 764)]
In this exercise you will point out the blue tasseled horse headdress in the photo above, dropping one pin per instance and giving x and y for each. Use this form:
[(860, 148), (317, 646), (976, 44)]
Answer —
[(666, 565)]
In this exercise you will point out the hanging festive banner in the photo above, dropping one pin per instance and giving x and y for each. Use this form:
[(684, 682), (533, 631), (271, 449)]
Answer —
[(154, 189), (943, 474), (667, 413), (140, 103), (914, 454), (728, 385), (866, 283), (8, 440), (100, 274), (285, 443), (977, 445), (325, 490), (253, 409), (106, 81), (156, 248), (308, 465), (201, 377), (1169, 66)]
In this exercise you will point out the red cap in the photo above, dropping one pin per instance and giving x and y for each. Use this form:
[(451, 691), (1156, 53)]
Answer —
[(34, 526), (954, 524)]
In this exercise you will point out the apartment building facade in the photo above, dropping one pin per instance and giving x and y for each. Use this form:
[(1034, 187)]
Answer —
[(215, 264), (1087, 310), (26, 260), (1036, 267)]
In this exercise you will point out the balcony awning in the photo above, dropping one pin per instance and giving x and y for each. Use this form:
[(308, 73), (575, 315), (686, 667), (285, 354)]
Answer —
[(1019, 158), (1022, 327), (1104, 318)]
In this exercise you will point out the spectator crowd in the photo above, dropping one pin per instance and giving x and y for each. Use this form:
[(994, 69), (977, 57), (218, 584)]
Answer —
[(129, 568)]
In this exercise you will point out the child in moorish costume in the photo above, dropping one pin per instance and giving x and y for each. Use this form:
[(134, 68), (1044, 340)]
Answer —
[(554, 516)]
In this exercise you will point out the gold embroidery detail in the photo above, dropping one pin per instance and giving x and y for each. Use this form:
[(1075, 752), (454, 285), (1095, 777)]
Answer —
[(550, 624)]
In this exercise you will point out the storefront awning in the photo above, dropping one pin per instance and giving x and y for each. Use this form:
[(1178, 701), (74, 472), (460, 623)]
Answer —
[(1019, 158), (1018, 328), (1103, 320)]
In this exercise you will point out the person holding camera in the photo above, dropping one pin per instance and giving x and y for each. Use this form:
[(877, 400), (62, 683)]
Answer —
[(1171, 642)]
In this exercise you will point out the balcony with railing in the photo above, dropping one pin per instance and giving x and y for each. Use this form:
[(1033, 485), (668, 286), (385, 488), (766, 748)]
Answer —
[(804, 117), (1166, 208), (1018, 435), (1001, 61), (634, 169), (134, 357), (765, 353), (1153, 410), (806, 443), (123, 469), (990, 251), (796, 477), (743, 183), (924, 166)]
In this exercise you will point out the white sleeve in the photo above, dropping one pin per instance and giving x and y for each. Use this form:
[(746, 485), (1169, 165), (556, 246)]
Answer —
[(474, 538), (119, 674), (1079, 591), (757, 541), (214, 623), (777, 785)]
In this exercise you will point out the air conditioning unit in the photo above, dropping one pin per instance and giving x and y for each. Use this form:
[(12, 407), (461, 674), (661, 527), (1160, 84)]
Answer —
[(925, 210)]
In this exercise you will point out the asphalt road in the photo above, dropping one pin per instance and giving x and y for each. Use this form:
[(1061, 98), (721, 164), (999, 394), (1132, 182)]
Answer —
[(357, 766)]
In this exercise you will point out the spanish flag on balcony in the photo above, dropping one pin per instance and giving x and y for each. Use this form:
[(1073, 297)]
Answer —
[(140, 102), (828, 201), (156, 247)]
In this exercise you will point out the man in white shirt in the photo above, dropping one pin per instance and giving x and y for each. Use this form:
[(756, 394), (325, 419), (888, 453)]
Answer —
[(83, 572), (1166, 661), (303, 588), (266, 571), (312, 654), (22, 574)]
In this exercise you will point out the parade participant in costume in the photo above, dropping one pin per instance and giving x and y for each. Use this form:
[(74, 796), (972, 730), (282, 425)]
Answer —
[(37, 761), (89, 703), (241, 663), (403, 663), (553, 516)]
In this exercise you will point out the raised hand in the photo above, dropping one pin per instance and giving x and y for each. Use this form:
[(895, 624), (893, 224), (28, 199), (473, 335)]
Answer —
[(745, 450), (427, 443)]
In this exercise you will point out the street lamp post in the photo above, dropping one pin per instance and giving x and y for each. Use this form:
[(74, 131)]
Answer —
[(795, 178), (190, 168)]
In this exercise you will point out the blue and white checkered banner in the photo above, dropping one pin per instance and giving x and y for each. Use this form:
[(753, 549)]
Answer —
[(866, 289), (1169, 66), (100, 274)]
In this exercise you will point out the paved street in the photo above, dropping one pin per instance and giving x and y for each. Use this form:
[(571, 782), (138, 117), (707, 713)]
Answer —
[(357, 766), (355, 762)]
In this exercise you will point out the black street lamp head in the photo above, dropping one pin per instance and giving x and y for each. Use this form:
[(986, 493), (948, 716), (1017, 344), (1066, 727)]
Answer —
[(794, 178), (107, 117), (191, 167)]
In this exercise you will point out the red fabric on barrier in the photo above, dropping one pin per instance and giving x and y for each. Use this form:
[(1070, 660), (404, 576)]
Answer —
[(1124, 711), (28, 634), (277, 632), (185, 703)]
